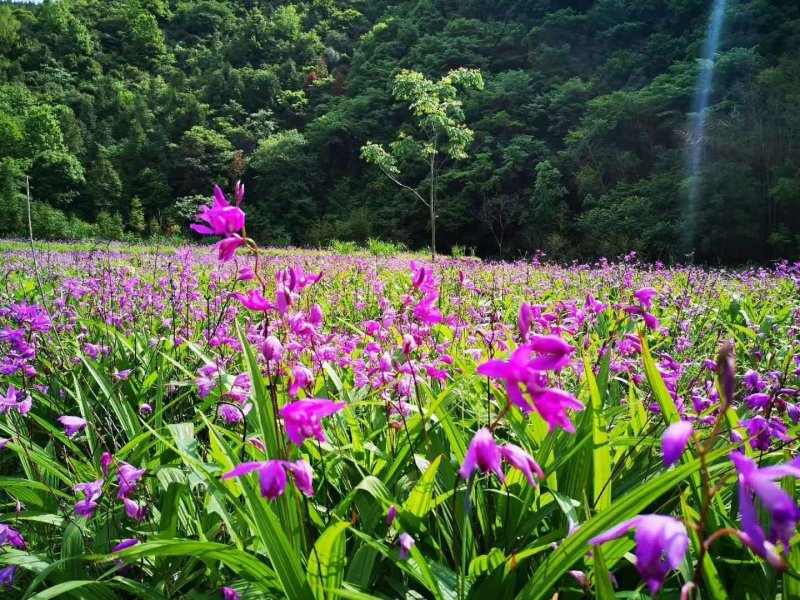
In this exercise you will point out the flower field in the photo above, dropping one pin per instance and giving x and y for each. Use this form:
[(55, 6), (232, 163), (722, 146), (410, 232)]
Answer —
[(242, 423)]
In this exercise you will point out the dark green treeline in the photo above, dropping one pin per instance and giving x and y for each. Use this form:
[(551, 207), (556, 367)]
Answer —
[(124, 113)]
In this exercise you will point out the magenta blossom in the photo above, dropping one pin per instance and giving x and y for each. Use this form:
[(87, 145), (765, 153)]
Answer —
[(674, 441), (645, 296), (406, 543), (521, 460), (272, 476), (254, 300), (523, 374), (426, 310), (482, 455), (391, 515), (229, 593), (13, 400), (661, 544), (784, 511), (302, 418), (11, 537), (91, 493), (222, 218), (72, 425), (128, 476), (134, 510)]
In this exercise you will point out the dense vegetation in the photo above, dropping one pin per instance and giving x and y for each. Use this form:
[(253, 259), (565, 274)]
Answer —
[(312, 426), (124, 112)]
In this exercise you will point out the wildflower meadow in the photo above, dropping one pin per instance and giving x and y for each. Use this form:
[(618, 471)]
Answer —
[(238, 422)]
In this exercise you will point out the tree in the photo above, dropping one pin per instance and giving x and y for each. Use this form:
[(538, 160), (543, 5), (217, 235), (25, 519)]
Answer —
[(136, 217), (442, 132), (549, 209), (498, 213)]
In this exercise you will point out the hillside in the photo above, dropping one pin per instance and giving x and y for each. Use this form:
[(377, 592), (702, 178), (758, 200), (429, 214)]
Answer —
[(125, 113)]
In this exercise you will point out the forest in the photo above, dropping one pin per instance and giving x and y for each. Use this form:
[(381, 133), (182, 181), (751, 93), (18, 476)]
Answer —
[(123, 114)]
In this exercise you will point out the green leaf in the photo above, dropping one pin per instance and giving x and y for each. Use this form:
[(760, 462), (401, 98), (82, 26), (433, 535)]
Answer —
[(573, 548), (327, 560), (420, 499)]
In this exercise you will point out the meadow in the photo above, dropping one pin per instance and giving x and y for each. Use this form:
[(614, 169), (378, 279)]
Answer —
[(240, 423)]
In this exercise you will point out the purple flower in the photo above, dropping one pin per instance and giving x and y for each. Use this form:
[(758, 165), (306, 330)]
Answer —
[(125, 544), (13, 401), (72, 425), (406, 543), (11, 536), (272, 349), (674, 441), (229, 593), (105, 462), (272, 476), (661, 544), (91, 493), (3, 442), (521, 373), (426, 311), (121, 375), (391, 515), (128, 476), (409, 344), (303, 476), (254, 300), (645, 296), (222, 218), (302, 377), (145, 409), (7, 577), (302, 418), (122, 546), (784, 511), (134, 510), (521, 460), (483, 455)]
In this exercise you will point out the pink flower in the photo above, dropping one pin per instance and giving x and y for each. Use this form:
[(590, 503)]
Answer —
[(521, 460), (134, 510), (674, 441), (302, 377), (272, 476), (426, 311), (661, 544), (303, 418), (254, 300), (482, 455), (72, 425), (222, 218), (128, 476), (523, 374), (406, 543)]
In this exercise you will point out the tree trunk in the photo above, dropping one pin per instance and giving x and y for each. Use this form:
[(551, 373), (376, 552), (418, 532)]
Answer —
[(433, 232)]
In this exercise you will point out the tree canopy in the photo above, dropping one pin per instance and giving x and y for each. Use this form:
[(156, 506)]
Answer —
[(578, 137)]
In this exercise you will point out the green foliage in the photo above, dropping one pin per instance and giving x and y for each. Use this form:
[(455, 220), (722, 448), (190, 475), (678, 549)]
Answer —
[(383, 248), (102, 102)]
